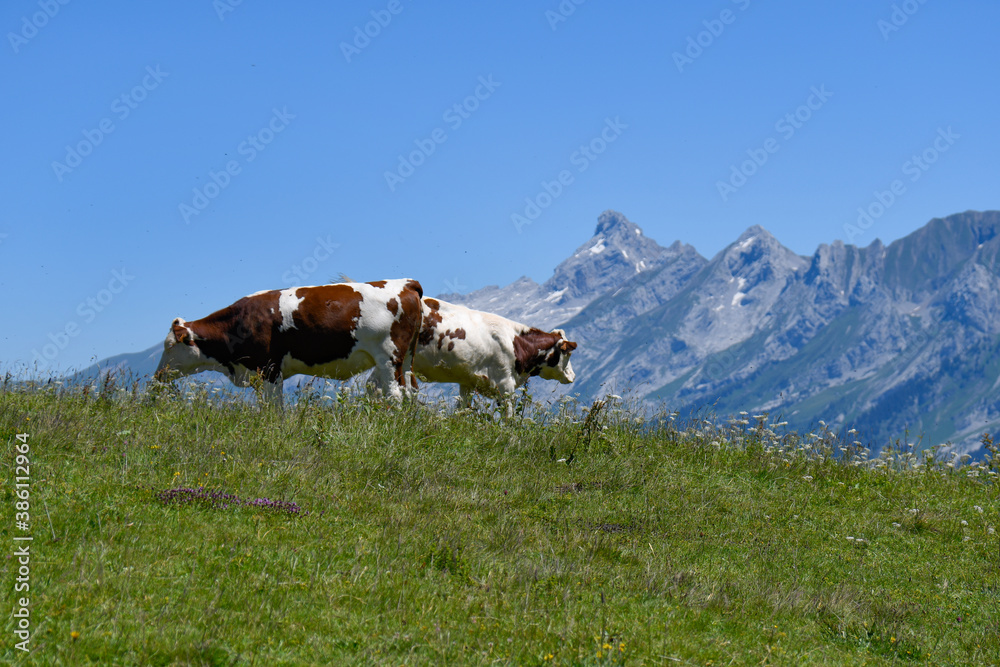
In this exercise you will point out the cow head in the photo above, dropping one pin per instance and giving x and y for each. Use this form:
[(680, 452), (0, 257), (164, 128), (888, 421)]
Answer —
[(556, 365), (181, 354), (545, 354)]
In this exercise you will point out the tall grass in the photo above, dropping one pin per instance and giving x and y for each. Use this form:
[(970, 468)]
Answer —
[(195, 529)]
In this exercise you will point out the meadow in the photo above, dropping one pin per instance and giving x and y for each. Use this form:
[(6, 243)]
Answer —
[(186, 527)]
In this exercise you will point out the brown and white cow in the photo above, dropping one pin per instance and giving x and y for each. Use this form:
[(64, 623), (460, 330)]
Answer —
[(486, 353), (333, 331)]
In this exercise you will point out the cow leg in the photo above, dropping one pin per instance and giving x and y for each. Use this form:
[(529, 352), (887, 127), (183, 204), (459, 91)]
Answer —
[(465, 396), (506, 397), (383, 379), (411, 387)]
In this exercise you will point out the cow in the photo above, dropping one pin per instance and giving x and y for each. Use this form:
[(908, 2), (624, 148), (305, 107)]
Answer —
[(336, 331), (486, 353)]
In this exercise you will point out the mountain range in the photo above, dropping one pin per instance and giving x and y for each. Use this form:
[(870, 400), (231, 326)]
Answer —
[(900, 342)]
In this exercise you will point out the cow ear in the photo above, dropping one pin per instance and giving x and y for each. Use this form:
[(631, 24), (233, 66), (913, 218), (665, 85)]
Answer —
[(181, 333), (567, 346)]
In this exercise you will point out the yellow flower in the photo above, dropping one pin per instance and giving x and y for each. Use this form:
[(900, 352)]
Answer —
[(75, 635)]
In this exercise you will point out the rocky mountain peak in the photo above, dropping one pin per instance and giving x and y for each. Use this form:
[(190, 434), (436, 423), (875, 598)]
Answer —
[(617, 251), (757, 236), (610, 222), (757, 252)]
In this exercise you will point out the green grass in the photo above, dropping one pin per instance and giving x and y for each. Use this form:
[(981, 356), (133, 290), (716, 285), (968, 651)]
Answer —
[(435, 538)]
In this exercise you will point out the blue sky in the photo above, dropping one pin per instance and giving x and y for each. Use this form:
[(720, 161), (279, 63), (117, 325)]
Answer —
[(164, 159)]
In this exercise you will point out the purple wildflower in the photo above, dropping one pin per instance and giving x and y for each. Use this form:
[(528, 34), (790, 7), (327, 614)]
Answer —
[(218, 499)]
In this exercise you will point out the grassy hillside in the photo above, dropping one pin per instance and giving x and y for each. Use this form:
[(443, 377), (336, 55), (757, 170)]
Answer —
[(348, 531)]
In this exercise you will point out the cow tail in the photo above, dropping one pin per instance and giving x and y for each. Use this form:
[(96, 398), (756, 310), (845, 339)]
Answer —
[(416, 287), (420, 326)]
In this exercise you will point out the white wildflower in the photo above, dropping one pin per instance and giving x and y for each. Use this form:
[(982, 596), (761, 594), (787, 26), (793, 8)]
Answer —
[(978, 508)]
